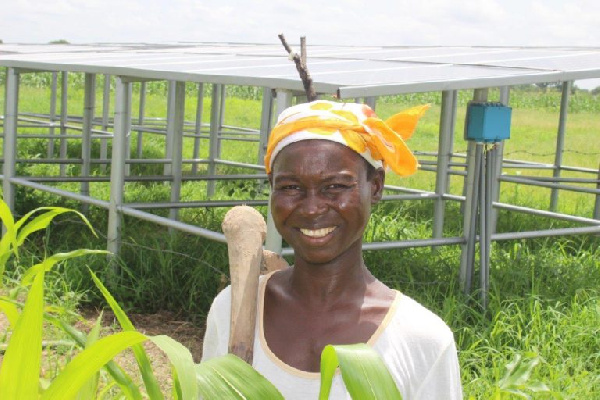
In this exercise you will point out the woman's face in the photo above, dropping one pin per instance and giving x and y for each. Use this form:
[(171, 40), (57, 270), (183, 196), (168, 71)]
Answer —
[(321, 198)]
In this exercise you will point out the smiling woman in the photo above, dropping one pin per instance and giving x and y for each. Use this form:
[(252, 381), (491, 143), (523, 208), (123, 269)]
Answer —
[(326, 163)]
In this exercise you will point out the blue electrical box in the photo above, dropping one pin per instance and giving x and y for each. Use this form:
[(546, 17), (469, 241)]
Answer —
[(487, 122)]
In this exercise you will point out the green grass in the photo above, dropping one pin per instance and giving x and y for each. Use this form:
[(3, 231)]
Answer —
[(545, 297)]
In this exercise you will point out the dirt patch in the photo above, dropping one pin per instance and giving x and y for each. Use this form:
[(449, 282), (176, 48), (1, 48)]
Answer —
[(161, 323)]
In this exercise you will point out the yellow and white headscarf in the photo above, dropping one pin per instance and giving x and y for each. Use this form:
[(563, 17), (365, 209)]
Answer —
[(379, 142)]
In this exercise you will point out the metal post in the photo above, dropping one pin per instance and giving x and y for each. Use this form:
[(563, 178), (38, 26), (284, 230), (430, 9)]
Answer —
[(214, 137), (128, 130), (63, 120), (167, 169), (140, 144), (560, 140), (497, 167), (221, 120), (11, 112), (175, 119), (446, 137), (371, 101), (467, 257), (198, 127), (273, 241), (597, 206), (485, 241), (266, 117), (117, 170), (105, 110), (89, 102), (53, 93)]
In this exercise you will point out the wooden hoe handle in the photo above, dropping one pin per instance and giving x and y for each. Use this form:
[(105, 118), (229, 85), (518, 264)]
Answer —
[(245, 230)]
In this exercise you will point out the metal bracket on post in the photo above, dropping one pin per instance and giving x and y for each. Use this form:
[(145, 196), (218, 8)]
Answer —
[(273, 241)]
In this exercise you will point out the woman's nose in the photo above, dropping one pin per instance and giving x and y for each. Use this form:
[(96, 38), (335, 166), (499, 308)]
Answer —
[(313, 203)]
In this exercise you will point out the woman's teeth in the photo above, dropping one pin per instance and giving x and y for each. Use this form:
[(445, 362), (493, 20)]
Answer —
[(316, 233)]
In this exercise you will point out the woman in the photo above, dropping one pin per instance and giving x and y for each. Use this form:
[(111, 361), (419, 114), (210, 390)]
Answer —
[(326, 163)]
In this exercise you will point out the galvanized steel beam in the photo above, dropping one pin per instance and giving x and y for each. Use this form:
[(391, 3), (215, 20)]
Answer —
[(11, 112), (117, 166), (89, 103), (560, 139)]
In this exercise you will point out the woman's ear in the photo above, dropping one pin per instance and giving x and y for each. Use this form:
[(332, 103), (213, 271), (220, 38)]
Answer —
[(377, 183)]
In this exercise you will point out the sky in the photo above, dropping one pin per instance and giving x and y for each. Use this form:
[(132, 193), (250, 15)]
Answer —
[(343, 22)]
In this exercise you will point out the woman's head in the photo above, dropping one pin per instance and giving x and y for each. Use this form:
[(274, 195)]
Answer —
[(326, 165)]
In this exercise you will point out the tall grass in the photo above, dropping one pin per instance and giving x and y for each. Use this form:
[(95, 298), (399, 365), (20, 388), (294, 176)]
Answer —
[(544, 306)]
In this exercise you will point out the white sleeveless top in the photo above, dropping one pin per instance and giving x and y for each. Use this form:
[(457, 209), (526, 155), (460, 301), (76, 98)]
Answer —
[(415, 344)]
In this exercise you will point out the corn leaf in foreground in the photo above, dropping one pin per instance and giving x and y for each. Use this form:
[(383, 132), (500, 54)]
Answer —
[(89, 389), (183, 362), (229, 377), (364, 373), (20, 370), (49, 262), (152, 387), (85, 364), (120, 377)]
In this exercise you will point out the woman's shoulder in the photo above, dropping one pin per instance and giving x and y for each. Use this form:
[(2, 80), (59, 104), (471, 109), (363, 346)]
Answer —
[(417, 322)]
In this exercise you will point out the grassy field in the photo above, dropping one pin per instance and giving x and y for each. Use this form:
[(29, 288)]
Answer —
[(541, 332)]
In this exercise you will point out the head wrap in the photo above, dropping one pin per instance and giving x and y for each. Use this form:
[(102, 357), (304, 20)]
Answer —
[(357, 126)]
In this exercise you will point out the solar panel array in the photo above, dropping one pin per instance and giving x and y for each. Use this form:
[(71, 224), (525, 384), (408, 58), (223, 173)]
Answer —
[(345, 70)]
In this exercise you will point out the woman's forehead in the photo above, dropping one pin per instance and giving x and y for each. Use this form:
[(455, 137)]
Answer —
[(318, 153)]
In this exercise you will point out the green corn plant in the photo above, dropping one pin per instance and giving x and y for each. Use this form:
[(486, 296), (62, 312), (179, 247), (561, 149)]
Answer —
[(362, 370)]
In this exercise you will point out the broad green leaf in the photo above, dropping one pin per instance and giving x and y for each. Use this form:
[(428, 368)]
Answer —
[(49, 262), (363, 371), (42, 221), (229, 377), (85, 364), (183, 362), (116, 372), (141, 357), (89, 389), (20, 369), (10, 310)]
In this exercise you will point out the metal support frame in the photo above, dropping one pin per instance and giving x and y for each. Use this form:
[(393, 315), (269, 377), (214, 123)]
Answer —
[(560, 139), (105, 111), (445, 145), (11, 112), (52, 116), (140, 121), (273, 241), (63, 119), (221, 121), (215, 121), (198, 126), (175, 126), (471, 193), (117, 170), (266, 118), (497, 172), (597, 205), (89, 103)]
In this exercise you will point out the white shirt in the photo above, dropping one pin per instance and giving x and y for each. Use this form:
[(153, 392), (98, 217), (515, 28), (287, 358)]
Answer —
[(416, 345)]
